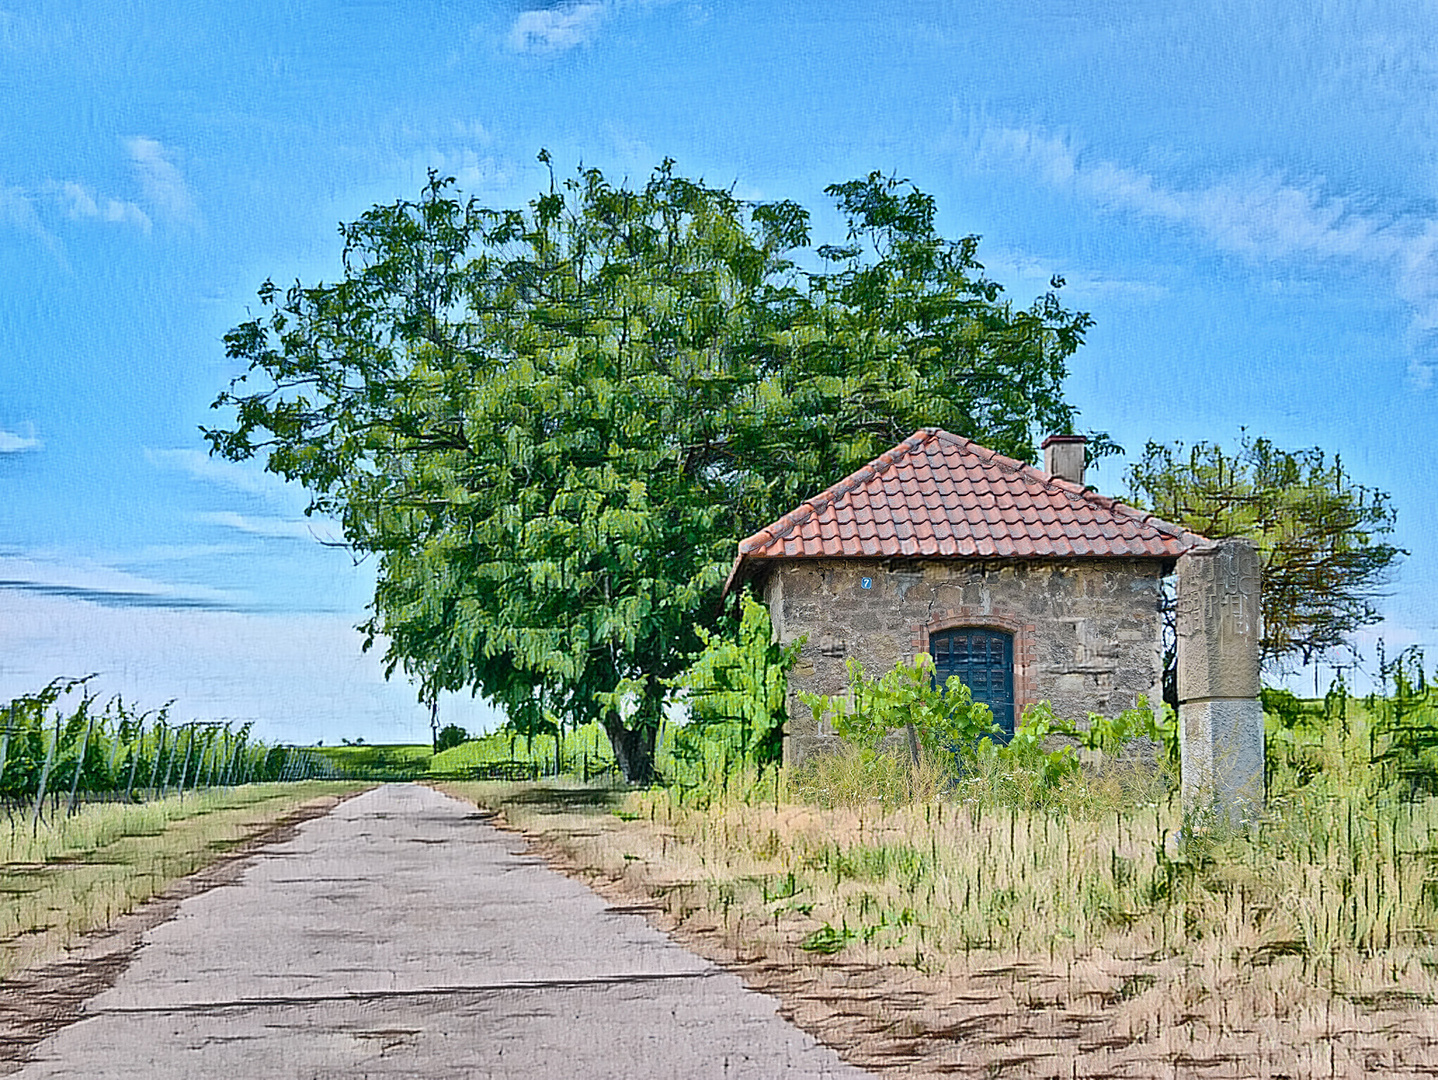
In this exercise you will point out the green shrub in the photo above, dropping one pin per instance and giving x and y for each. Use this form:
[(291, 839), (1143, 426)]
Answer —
[(939, 722), (1029, 771), (735, 690), (450, 736)]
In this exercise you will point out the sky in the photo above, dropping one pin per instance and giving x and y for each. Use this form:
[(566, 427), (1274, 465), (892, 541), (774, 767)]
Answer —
[(1242, 195)]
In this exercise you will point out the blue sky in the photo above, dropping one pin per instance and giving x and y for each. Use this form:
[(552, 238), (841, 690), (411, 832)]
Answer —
[(1242, 195)]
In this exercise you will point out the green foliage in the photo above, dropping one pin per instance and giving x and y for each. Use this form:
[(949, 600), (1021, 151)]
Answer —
[(826, 941), (450, 735), (1380, 748), (1319, 535), (65, 748), (736, 689), (1026, 751), (938, 720), (1404, 739), (1284, 705), (1041, 768), (552, 424), (586, 748), (375, 761)]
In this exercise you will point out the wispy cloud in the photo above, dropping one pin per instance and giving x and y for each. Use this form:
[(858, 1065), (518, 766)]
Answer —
[(161, 182), (557, 29), (17, 211), (112, 597), (81, 202), (474, 171), (1263, 216), (299, 677), (1012, 266), (274, 527), (95, 583), (11, 443), (249, 479)]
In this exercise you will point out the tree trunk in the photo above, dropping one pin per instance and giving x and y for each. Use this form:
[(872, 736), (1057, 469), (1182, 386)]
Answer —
[(634, 744), (634, 751)]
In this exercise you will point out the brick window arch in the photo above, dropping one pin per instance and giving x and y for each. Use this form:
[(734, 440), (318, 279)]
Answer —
[(982, 657)]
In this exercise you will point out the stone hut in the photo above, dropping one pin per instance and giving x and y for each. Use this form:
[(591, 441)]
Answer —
[(1024, 583)]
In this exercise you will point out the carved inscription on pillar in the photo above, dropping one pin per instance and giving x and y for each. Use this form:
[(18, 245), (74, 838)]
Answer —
[(1218, 622)]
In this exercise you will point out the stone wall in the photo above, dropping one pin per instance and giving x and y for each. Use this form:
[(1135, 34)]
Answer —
[(1087, 633)]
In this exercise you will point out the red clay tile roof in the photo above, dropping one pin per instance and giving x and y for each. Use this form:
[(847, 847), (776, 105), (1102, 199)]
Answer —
[(938, 495)]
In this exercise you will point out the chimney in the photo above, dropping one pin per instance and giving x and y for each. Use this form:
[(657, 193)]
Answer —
[(1064, 457)]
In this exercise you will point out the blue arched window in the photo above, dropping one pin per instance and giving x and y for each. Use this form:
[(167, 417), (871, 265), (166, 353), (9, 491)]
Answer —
[(983, 660)]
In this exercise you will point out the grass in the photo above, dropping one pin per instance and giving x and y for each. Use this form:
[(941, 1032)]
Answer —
[(588, 744), (74, 874), (1072, 923), (378, 761)]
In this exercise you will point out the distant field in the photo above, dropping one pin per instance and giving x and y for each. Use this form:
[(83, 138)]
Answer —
[(589, 746), (397, 761), (585, 752)]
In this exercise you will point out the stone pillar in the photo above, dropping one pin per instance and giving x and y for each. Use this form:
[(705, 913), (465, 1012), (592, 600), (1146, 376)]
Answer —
[(1220, 718)]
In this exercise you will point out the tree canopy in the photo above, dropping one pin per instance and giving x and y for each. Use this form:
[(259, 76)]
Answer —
[(1320, 537), (551, 425)]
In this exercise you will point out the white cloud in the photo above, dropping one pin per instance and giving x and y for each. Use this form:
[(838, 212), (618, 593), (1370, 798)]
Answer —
[(248, 478), (80, 202), (297, 677), (17, 210), (472, 171), (320, 529), (251, 479), (1010, 266), (181, 553), (161, 182), (468, 131), (1260, 216), (555, 30), (11, 443), (97, 583)]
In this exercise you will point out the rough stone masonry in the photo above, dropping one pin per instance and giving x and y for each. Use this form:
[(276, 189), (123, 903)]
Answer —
[(1086, 633)]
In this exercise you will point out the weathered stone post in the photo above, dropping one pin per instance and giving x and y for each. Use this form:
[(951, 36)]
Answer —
[(1220, 718)]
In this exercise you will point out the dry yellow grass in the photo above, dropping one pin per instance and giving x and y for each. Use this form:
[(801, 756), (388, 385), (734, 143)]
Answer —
[(77, 874), (953, 938)]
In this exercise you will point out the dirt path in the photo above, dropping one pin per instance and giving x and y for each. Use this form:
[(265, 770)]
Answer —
[(402, 936)]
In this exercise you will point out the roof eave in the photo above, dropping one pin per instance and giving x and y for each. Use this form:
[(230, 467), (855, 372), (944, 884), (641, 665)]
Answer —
[(746, 568)]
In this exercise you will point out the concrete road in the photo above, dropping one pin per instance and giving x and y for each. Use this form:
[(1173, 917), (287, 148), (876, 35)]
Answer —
[(401, 936)]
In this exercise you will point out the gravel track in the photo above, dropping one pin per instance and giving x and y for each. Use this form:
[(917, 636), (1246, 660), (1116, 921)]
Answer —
[(401, 935)]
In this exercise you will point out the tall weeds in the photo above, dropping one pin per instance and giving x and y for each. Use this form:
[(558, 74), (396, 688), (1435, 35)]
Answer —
[(1331, 889)]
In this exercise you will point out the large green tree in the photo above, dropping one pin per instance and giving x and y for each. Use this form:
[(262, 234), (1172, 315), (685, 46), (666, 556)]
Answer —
[(1321, 537), (550, 425)]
